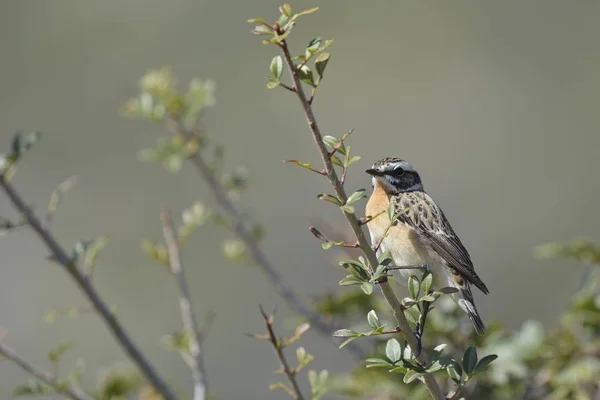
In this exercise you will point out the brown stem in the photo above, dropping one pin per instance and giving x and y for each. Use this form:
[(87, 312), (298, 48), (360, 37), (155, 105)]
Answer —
[(188, 316), (278, 347), (388, 293), (70, 266), (48, 379)]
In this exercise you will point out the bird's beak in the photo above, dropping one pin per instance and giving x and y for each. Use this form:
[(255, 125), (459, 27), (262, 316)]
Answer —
[(373, 172)]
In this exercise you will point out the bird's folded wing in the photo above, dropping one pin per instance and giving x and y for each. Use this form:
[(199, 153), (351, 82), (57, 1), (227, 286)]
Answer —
[(429, 221)]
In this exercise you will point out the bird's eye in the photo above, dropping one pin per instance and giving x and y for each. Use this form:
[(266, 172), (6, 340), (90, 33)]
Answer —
[(398, 171)]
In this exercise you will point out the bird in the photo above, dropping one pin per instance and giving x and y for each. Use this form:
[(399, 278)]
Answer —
[(420, 235)]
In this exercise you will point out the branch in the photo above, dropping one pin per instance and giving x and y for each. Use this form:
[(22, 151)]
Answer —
[(70, 266), (48, 379), (278, 346), (188, 317), (388, 293), (256, 253)]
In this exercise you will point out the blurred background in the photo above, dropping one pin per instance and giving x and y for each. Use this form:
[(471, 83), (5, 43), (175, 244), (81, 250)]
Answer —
[(495, 103)]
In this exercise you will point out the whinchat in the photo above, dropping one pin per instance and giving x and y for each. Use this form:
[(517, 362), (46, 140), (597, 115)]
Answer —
[(421, 234)]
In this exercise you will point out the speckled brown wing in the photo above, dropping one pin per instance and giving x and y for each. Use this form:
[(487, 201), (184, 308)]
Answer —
[(429, 221)]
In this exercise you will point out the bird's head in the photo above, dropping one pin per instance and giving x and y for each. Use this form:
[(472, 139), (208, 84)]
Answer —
[(395, 175)]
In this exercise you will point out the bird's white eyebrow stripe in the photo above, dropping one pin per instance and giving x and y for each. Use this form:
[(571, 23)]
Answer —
[(402, 164)]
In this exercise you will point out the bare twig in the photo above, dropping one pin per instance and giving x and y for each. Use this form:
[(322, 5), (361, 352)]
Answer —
[(236, 222), (70, 266), (278, 347), (388, 293), (48, 379), (188, 316)]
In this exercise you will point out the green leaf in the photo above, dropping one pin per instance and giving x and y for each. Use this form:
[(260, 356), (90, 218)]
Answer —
[(356, 196), (272, 84), (367, 287), (347, 341), (426, 282), (413, 287), (353, 160), (329, 198), (469, 360), (56, 354), (484, 362), (391, 211), (454, 372), (306, 12), (393, 351), (373, 319), (428, 298), (321, 63), (350, 280), (344, 333), (377, 362), (277, 67), (347, 209), (59, 193), (336, 161), (356, 269), (446, 290), (22, 144), (411, 376), (306, 76), (287, 10)]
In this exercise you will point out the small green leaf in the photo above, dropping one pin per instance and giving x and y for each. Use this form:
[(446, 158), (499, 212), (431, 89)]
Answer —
[(367, 288), (413, 287), (277, 67), (59, 193), (353, 160), (484, 362), (411, 376), (306, 76), (306, 12), (272, 84), (426, 282), (428, 298), (469, 360), (344, 333), (446, 290), (350, 280), (336, 161), (347, 341), (393, 351), (347, 209), (321, 63), (286, 10), (391, 210), (329, 198), (373, 319), (454, 372), (356, 196)]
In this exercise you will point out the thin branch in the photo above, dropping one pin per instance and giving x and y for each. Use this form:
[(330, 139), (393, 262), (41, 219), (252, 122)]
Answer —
[(48, 379), (278, 347), (185, 303), (70, 266), (283, 85), (388, 293), (236, 222)]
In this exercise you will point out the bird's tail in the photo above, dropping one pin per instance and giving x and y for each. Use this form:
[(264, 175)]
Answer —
[(467, 303)]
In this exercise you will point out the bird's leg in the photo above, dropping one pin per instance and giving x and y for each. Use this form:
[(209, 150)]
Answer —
[(420, 328)]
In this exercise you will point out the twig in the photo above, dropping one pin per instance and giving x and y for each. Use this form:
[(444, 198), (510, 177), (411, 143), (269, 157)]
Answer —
[(185, 303), (277, 346), (48, 379), (283, 85), (236, 222), (388, 293), (70, 266)]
